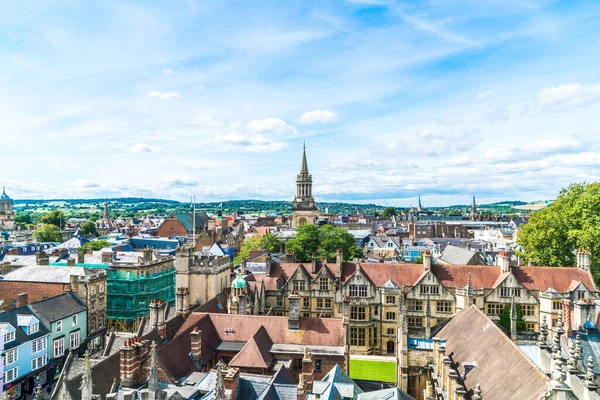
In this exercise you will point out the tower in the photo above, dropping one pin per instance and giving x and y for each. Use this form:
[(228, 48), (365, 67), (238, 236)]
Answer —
[(7, 214), (474, 214), (238, 297), (304, 209)]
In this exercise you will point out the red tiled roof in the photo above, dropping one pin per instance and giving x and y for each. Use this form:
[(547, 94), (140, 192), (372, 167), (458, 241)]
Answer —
[(557, 278), (255, 354)]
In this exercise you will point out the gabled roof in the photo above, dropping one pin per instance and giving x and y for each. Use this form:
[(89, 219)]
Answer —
[(502, 370), (255, 354), (459, 256), (11, 316), (58, 307), (188, 221)]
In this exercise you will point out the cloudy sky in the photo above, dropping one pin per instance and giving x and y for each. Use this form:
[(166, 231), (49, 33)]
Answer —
[(174, 98)]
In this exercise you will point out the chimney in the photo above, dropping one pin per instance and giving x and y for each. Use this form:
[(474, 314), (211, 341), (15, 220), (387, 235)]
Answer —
[(339, 263), (426, 260), (107, 257), (531, 263), (132, 354), (196, 344), (313, 267), (70, 262), (290, 257), (503, 261), (22, 300), (80, 258), (13, 251), (148, 253), (294, 312), (42, 258), (4, 268), (161, 325), (469, 246), (268, 263), (183, 301), (154, 309), (231, 381), (584, 309), (89, 251), (583, 259), (308, 370), (62, 253)]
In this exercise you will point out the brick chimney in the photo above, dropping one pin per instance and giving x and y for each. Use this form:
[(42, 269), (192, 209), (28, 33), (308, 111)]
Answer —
[(196, 344), (80, 258), (42, 258), (183, 300), (70, 262), (148, 253), (583, 259), (290, 257), (162, 326), (269, 261), (503, 261), (339, 263), (4, 268), (22, 300), (313, 266), (584, 309), (426, 260), (294, 312), (308, 370), (231, 381), (107, 257), (132, 353)]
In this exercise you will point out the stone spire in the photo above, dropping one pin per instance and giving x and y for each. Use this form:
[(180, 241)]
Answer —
[(572, 360), (590, 378), (304, 166), (558, 329), (153, 373), (86, 380), (106, 215), (477, 392), (543, 338), (220, 386), (558, 374), (578, 354)]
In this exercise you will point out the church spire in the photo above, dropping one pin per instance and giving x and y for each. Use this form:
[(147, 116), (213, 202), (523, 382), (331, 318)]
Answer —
[(304, 166)]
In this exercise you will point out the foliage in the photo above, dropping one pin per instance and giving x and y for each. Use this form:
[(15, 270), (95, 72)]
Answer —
[(388, 212), (552, 234), (381, 371), (88, 228), (323, 242), (270, 243), (54, 217), (23, 219), (249, 244), (505, 318), (95, 245), (419, 259), (48, 233)]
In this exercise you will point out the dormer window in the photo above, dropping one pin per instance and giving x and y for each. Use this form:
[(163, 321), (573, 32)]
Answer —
[(279, 283), (9, 336), (33, 328)]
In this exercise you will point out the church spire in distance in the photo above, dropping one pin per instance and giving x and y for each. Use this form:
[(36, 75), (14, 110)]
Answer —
[(304, 166)]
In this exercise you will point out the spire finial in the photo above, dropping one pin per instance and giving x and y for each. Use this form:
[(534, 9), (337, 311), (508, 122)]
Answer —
[(477, 392)]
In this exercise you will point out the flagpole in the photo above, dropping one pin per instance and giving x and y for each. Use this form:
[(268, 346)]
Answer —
[(194, 224)]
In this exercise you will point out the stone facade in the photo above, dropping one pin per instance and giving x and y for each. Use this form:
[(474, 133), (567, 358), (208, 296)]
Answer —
[(7, 214)]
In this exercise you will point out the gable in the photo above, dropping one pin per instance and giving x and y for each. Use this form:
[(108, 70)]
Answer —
[(429, 279)]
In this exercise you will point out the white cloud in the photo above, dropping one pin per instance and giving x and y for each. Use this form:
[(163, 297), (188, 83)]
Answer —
[(167, 71), (569, 95), (250, 142), (322, 116), (164, 95), (270, 125), (178, 181), (206, 120), (144, 148), (200, 166), (483, 95)]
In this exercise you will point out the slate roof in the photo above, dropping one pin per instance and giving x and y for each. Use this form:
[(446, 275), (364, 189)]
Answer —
[(188, 221), (11, 316), (387, 394), (58, 307), (335, 385), (502, 370), (459, 256), (46, 274)]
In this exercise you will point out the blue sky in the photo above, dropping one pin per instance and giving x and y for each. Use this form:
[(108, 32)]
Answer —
[(169, 99)]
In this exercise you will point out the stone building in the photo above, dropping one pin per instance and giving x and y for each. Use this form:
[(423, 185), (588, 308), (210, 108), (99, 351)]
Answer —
[(304, 209), (7, 214), (374, 290)]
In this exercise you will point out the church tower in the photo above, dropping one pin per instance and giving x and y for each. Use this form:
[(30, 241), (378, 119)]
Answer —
[(474, 215), (304, 209), (7, 214)]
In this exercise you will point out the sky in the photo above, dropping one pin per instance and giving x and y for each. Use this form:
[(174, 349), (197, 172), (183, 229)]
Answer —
[(394, 99)]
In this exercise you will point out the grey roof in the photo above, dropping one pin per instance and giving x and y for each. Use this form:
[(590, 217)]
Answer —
[(387, 394), (230, 346), (58, 307), (458, 256), (48, 274), (299, 349), (11, 317), (336, 385)]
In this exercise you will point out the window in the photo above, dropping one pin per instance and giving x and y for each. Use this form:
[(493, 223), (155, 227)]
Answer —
[(38, 345), (391, 331), (299, 286), (324, 284), (280, 302), (358, 290), (306, 302), (100, 304), (444, 307), (306, 315), (415, 322), (319, 303), (75, 320), (390, 315), (38, 362), (317, 364), (528, 310), (508, 292), (93, 306), (581, 294), (279, 283), (390, 299), (298, 364), (557, 305), (59, 347), (11, 356), (433, 290), (414, 305), (9, 337), (374, 337), (327, 303), (93, 290), (530, 327), (74, 340), (11, 374), (33, 328), (93, 324), (58, 326), (357, 336), (357, 312), (100, 322), (101, 288), (494, 309)]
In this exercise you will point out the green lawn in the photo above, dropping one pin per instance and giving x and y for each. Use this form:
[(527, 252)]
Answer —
[(373, 370)]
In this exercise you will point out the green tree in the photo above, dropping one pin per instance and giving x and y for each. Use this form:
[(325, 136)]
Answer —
[(419, 259), (505, 318), (324, 242), (388, 212), (23, 219), (54, 217), (88, 228), (270, 243), (48, 233), (249, 244), (572, 221), (95, 245)]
